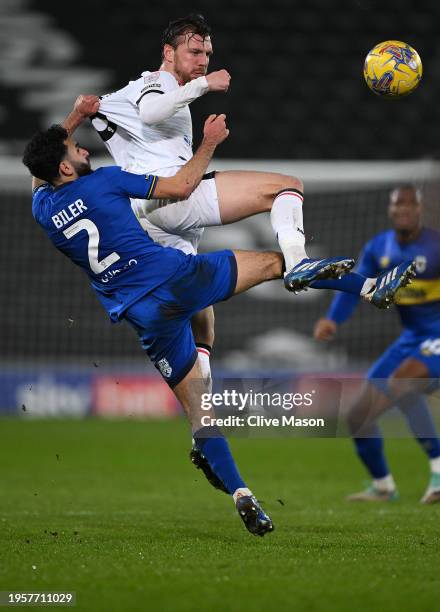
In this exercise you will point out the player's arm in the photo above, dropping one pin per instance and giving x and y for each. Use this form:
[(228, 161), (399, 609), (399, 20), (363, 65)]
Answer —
[(84, 107), (344, 304), (157, 105), (181, 185)]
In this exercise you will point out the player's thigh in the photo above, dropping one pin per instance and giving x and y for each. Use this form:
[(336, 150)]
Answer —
[(255, 267), (242, 193), (388, 362), (165, 333), (203, 280), (186, 242), (200, 210), (420, 372)]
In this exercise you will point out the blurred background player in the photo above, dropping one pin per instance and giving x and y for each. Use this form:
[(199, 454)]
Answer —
[(401, 375)]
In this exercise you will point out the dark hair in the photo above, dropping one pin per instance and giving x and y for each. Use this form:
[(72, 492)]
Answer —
[(194, 23), (45, 151)]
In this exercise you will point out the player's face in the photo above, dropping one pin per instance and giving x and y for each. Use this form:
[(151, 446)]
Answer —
[(191, 57), (405, 209), (78, 158)]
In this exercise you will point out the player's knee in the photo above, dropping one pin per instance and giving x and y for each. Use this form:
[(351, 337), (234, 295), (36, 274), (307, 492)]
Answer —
[(277, 185), (203, 325), (411, 377), (290, 182)]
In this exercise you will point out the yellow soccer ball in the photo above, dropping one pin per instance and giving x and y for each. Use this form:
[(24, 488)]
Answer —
[(393, 69)]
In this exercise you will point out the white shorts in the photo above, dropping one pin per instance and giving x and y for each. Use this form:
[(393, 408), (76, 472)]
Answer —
[(180, 224)]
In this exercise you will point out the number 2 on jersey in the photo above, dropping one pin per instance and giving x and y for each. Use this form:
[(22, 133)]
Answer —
[(93, 232)]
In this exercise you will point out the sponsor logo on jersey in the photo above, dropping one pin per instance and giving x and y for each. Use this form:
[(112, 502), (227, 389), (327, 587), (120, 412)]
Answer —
[(152, 86), (152, 78), (164, 367), (108, 276)]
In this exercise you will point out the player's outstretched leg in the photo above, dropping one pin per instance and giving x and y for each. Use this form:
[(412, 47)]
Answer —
[(379, 292), (214, 449), (389, 283), (242, 194), (308, 271)]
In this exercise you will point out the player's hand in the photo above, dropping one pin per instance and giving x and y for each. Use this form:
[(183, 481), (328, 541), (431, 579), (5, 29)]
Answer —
[(218, 80), (86, 105), (215, 130), (325, 330)]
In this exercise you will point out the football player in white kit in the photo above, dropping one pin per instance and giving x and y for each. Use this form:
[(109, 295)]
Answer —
[(147, 128)]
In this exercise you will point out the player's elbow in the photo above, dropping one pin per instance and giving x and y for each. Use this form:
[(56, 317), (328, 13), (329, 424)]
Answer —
[(152, 113), (149, 118)]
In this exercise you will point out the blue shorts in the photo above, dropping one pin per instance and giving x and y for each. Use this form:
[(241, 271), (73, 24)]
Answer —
[(162, 318), (423, 347)]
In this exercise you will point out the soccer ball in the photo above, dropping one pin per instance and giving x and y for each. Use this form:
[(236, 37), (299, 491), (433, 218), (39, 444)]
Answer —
[(393, 69)]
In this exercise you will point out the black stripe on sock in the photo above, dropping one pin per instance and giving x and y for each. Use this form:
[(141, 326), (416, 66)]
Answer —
[(207, 347), (290, 189)]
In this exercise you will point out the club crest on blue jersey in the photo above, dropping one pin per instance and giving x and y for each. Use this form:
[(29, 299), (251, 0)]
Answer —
[(421, 263), (164, 367)]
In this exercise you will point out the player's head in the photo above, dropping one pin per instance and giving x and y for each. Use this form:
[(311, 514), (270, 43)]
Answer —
[(186, 47), (52, 156), (405, 208)]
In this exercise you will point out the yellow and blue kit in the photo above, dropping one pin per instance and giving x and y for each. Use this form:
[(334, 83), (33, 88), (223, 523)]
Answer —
[(418, 304)]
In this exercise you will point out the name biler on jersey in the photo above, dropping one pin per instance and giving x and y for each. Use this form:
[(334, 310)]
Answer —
[(63, 217)]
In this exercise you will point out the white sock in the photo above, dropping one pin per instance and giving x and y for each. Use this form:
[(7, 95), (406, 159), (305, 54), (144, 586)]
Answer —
[(287, 222), (204, 355), (385, 484), (368, 286), (241, 493), (435, 465)]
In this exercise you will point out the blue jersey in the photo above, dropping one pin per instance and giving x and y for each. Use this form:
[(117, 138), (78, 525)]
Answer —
[(418, 304), (90, 220)]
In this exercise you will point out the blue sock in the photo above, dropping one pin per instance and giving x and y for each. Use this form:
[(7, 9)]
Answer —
[(417, 413), (213, 445), (349, 283), (370, 451)]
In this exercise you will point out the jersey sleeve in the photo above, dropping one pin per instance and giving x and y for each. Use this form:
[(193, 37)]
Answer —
[(39, 195), (343, 305), (157, 108), (158, 83), (131, 185)]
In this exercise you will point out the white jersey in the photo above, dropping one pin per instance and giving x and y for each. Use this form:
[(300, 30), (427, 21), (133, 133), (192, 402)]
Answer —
[(162, 143), (147, 128)]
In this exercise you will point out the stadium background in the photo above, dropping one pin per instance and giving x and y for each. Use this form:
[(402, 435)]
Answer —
[(297, 103)]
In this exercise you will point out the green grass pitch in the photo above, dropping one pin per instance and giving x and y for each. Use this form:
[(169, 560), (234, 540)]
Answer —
[(116, 512)]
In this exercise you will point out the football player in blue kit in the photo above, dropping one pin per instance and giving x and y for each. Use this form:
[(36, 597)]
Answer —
[(406, 370), (87, 215)]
